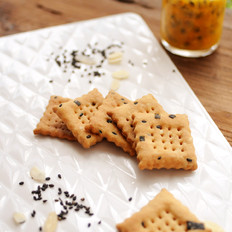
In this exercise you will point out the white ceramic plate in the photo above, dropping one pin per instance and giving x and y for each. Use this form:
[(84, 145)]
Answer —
[(104, 175)]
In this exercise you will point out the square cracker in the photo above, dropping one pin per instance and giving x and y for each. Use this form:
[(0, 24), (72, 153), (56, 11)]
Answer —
[(50, 124), (164, 142), (164, 213), (102, 124), (122, 115), (76, 115)]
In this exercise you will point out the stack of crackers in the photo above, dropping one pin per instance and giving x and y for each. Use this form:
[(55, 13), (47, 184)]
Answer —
[(141, 128)]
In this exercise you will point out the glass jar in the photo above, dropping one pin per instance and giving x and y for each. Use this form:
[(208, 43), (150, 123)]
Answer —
[(192, 28)]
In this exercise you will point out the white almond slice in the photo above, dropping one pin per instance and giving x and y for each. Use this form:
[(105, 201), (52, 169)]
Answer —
[(19, 218), (114, 61), (86, 60), (115, 84), (115, 57), (213, 226), (37, 174), (50, 223), (122, 74)]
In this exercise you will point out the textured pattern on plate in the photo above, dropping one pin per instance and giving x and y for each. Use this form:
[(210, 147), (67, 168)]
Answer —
[(104, 175)]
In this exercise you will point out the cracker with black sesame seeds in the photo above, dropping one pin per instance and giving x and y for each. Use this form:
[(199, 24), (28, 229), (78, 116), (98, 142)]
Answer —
[(163, 213), (102, 124), (164, 142), (50, 124), (77, 113), (122, 115)]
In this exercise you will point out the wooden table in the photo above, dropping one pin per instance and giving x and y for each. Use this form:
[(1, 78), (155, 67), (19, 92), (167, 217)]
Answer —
[(209, 77)]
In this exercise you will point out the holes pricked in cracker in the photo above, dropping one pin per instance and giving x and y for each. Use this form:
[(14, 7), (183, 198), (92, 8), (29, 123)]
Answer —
[(77, 113), (163, 213), (168, 142)]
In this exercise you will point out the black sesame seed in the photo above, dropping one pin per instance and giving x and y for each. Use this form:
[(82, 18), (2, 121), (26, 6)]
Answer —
[(100, 131), (109, 120), (135, 103), (89, 224), (130, 199), (157, 116), (159, 127), (88, 136), (159, 158), (77, 102), (21, 183), (142, 223), (33, 213), (51, 185), (47, 178), (189, 160), (44, 201), (51, 81), (172, 116), (99, 223), (195, 226), (114, 133), (60, 105), (96, 73), (143, 121), (81, 114), (40, 228), (82, 199), (59, 176), (141, 138)]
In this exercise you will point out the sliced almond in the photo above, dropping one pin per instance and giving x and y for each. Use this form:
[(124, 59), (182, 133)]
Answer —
[(50, 223), (86, 60), (115, 84), (121, 74), (37, 174), (19, 218), (114, 58)]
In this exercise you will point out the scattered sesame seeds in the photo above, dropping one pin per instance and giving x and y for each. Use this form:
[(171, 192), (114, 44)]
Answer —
[(33, 213), (68, 204), (85, 59)]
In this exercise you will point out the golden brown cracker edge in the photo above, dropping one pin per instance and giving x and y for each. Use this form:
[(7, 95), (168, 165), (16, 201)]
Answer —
[(164, 141), (76, 115), (50, 124), (163, 213), (102, 124)]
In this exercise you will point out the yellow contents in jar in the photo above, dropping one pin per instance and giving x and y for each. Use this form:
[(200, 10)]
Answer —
[(192, 24)]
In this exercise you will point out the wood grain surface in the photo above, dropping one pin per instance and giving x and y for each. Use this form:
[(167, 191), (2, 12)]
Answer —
[(209, 77)]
